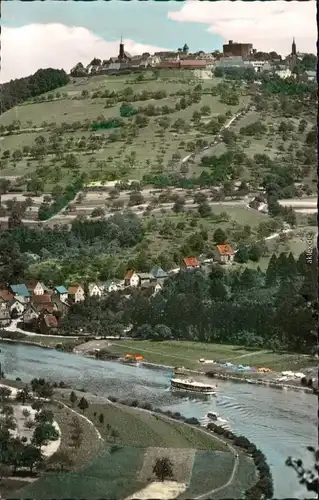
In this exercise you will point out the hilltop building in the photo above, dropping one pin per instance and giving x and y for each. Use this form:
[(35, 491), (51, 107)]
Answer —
[(237, 49)]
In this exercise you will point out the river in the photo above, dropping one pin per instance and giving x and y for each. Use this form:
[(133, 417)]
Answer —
[(280, 423)]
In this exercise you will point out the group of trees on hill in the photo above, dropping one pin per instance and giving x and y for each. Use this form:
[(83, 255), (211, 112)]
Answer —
[(19, 90), (15, 451), (275, 309), (86, 238)]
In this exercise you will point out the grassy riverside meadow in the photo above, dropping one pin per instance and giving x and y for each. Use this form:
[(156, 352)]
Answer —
[(175, 353), (121, 463), (187, 354)]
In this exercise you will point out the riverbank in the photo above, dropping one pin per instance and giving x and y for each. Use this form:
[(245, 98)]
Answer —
[(189, 354), (110, 351)]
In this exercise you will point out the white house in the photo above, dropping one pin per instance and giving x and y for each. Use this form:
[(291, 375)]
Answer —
[(76, 293), (283, 73), (95, 290), (16, 307), (36, 287), (131, 279), (224, 254), (61, 292)]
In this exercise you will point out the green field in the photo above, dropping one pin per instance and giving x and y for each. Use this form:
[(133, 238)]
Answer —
[(110, 475), (142, 429), (220, 465), (246, 474), (180, 353)]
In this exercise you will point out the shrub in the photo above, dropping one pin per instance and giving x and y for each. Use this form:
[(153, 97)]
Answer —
[(29, 423), (146, 406), (192, 421), (113, 399)]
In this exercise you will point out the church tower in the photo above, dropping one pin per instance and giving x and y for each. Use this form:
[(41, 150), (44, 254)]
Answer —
[(293, 48), (121, 53)]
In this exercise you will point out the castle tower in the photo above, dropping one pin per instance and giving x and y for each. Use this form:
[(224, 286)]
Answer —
[(121, 53)]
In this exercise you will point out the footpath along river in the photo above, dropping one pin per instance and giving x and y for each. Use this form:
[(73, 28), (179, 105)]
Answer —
[(280, 423)]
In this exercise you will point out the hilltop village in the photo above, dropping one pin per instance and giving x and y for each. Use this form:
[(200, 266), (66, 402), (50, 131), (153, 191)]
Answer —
[(234, 55), (172, 194)]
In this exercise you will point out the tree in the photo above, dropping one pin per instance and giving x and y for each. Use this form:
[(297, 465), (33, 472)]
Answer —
[(307, 477), (179, 205), (31, 456), (204, 209), (242, 255), (255, 252), (44, 416), (163, 468), (136, 198), (73, 398), (101, 418), (5, 393), (219, 236), (83, 404), (44, 433)]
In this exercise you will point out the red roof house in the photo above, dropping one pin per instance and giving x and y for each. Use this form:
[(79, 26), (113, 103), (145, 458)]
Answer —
[(191, 263), (224, 253)]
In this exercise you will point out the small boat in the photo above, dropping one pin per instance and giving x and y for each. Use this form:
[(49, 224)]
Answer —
[(132, 359), (180, 370), (213, 417), (190, 385)]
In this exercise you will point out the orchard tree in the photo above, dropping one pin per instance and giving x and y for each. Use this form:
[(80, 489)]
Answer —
[(163, 469), (83, 404)]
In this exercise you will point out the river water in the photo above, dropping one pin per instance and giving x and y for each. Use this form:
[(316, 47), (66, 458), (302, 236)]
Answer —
[(280, 423)]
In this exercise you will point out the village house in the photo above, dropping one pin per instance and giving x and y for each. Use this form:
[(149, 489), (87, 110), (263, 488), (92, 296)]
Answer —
[(36, 287), (76, 293), (5, 317), (61, 292), (43, 303), (17, 307), (111, 286), (224, 254), (95, 290), (30, 315), (152, 288), (48, 324), (131, 279), (20, 292), (190, 263), (61, 306), (144, 278), (158, 273)]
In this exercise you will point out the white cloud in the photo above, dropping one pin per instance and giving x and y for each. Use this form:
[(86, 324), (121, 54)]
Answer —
[(26, 49), (268, 25)]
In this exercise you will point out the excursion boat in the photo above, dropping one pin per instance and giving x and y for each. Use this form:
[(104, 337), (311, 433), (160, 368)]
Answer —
[(213, 417), (190, 385)]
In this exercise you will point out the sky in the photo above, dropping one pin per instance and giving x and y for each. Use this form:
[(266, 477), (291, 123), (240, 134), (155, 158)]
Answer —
[(60, 34)]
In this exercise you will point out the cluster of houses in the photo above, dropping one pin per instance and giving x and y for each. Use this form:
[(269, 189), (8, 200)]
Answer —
[(234, 55), (39, 308)]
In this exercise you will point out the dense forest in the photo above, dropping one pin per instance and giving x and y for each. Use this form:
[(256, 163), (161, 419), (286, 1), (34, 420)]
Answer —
[(19, 90), (275, 309)]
